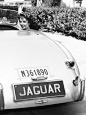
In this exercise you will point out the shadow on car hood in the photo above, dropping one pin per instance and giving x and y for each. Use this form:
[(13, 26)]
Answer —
[(14, 33)]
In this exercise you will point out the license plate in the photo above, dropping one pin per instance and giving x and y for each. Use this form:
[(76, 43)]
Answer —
[(38, 90), (33, 72)]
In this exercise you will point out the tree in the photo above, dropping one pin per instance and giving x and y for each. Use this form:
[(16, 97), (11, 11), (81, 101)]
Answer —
[(48, 2), (52, 2), (34, 2), (79, 1), (56, 2)]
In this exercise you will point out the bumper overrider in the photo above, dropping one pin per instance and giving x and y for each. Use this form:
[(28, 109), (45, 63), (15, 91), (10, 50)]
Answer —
[(81, 85), (1, 98)]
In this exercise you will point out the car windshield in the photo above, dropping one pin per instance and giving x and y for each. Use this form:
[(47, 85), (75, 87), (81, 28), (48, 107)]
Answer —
[(7, 27)]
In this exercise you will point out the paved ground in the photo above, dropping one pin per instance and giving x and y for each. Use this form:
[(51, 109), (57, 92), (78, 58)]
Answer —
[(74, 108)]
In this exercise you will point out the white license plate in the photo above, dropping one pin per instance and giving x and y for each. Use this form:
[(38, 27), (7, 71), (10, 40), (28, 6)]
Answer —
[(34, 72)]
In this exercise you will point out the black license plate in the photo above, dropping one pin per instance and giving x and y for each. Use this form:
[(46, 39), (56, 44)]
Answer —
[(38, 90)]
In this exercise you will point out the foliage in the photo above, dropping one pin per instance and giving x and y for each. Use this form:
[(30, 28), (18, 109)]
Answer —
[(69, 21)]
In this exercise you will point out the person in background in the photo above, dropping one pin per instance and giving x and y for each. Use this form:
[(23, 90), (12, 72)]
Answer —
[(4, 20), (23, 21)]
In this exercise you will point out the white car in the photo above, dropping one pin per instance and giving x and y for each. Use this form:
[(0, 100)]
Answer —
[(36, 70)]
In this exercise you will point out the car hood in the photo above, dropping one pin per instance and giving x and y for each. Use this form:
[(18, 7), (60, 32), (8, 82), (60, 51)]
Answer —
[(20, 50)]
